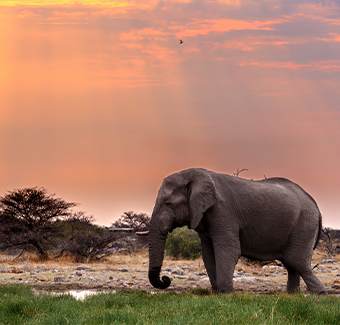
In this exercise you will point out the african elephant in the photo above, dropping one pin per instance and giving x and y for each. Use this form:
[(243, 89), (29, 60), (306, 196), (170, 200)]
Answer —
[(268, 219)]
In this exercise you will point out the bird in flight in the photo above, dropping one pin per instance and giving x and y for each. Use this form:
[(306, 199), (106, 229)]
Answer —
[(180, 41)]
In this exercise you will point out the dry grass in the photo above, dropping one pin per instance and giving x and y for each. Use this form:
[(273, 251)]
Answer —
[(29, 258), (126, 259), (320, 253)]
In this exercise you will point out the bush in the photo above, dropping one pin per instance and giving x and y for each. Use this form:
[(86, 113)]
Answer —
[(183, 243), (85, 240)]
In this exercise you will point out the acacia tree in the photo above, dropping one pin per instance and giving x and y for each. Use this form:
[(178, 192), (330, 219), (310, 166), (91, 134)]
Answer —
[(130, 219), (28, 219)]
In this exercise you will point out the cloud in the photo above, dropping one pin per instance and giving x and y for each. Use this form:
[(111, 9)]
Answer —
[(330, 66), (149, 33), (198, 27)]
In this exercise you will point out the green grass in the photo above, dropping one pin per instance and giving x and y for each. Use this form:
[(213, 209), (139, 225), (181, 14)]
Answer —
[(19, 305)]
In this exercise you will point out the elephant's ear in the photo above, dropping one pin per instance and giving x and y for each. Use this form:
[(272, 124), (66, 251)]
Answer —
[(202, 195)]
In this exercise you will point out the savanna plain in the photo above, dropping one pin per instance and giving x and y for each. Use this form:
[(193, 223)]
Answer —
[(34, 292)]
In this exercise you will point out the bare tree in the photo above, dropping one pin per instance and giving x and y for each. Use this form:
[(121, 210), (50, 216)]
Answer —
[(328, 232), (130, 219), (140, 222), (239, 171), (28, 219)]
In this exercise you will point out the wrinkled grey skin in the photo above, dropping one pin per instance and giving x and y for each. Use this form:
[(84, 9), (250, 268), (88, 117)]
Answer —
[(269, 219)]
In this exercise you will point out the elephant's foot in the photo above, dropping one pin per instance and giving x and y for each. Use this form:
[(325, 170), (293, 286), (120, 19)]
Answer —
[(214, 290), (217, 291), (226, 289), (293, 291)]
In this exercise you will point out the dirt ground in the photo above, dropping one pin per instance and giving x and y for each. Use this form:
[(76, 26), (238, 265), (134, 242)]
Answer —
[(129, 272)]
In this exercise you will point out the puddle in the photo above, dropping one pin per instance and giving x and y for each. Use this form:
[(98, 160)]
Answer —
[(81, 294), (77, 294)]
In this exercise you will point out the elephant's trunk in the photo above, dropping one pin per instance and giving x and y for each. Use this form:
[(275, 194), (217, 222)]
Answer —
[(156, 255)]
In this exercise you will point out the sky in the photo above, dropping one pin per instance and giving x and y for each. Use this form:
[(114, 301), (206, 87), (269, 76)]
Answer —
[(99, 101)]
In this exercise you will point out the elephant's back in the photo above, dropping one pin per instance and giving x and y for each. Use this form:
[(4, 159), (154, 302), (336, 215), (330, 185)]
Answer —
[(270, 212), (306, 200)]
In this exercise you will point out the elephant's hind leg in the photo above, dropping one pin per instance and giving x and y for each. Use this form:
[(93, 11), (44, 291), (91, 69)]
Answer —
[(313, 283), (293, 282), (303, 268)]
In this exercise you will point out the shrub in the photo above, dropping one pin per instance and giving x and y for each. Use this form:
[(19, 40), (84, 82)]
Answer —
[(85, 240), (183, 243)]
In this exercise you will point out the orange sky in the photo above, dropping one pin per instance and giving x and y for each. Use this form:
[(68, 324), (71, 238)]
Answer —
[(99, 101)]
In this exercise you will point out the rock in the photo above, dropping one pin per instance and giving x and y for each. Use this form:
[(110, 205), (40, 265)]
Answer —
[(181, 277), (83, 268), (324, 269), (328, 260), (178, 271), (79, 273), (59, 278), (123, 270), (202, 273), (16, 271), (3, 271), (193, 277), (273, 268), (246, 279)]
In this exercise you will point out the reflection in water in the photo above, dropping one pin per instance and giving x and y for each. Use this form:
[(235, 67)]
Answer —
[(81, 294), (77, 294)]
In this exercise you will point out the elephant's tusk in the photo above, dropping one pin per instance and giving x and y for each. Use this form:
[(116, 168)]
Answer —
[(142, 233)]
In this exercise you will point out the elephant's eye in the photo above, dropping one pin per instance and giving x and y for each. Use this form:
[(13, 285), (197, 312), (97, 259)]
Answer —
[(168, 204)]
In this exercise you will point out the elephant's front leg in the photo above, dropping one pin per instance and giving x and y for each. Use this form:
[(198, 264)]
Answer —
[(208, 256), (226, 257)]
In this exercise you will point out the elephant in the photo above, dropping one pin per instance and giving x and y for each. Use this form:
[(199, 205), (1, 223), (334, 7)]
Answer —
[(267, 219)]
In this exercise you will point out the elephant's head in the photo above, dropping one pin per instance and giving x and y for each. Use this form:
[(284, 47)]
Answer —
[(182, 200)]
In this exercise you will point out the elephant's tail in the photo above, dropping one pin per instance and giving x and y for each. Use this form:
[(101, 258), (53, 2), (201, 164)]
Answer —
[(319, 233)]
